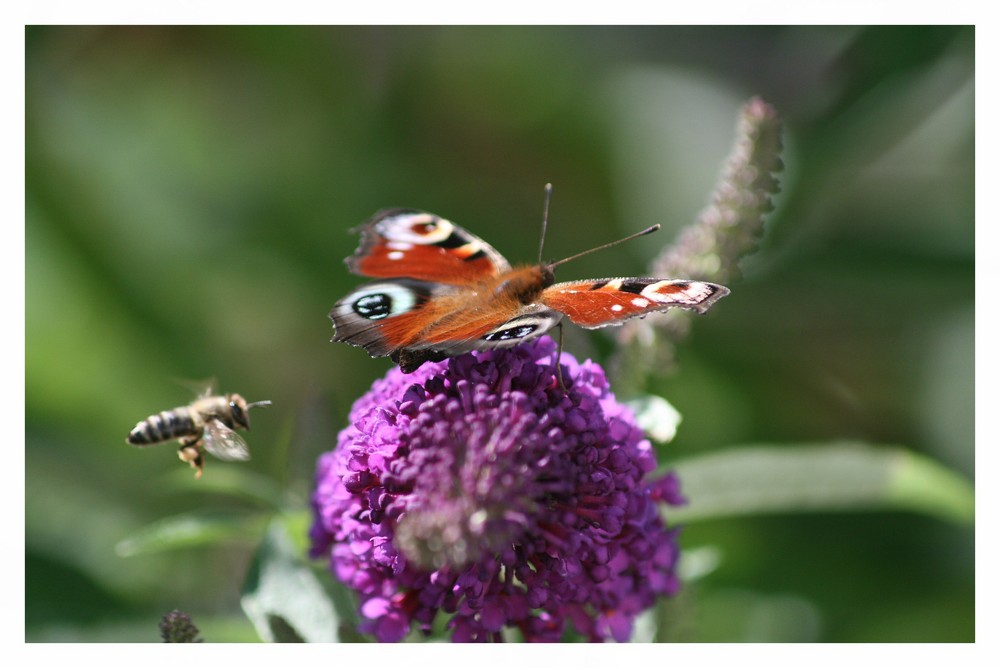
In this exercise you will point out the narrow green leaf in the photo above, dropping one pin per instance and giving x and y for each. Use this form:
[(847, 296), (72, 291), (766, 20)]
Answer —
[(284, 598), (833, 477), (923, 485), (188, 530)]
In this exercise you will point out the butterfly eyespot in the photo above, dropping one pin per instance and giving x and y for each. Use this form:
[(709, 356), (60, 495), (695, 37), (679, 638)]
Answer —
[(522, 328), (511, 333), (422, 229), (379, 301), (374, 306)]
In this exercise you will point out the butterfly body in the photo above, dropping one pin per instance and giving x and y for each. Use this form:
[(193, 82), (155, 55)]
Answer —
[(445, 292)]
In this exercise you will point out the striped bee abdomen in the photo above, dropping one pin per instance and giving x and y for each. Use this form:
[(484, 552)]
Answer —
[(162, 427)]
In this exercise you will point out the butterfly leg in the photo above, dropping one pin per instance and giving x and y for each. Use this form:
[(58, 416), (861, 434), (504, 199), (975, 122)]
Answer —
[(558, 359)]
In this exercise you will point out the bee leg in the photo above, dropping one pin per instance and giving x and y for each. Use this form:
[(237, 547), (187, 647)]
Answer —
[(191, 453)]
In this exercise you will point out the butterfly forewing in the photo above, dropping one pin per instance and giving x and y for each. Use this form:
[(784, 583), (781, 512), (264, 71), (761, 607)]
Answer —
[(610, 301), (402, 243)]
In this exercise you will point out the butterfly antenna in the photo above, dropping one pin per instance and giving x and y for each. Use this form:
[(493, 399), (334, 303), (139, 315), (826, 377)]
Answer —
[(545, 219), (648, 230), (258, 403)]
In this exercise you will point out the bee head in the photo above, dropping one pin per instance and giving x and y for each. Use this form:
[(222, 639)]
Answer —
[(240, 408)]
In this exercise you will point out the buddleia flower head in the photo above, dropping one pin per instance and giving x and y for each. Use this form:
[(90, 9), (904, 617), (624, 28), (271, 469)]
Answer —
[(483, 491)]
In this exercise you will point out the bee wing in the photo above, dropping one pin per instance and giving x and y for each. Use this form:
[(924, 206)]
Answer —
[(200, 388), (223, 442)]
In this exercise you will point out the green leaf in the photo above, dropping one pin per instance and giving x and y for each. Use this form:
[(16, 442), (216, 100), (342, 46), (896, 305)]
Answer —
[(834, 477), (923, 485), (285, 599), (188, 530)]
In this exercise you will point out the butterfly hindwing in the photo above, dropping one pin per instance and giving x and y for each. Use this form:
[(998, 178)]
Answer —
[(396, 315), (529, 322), (397, 243), (384, 316), (611, 301)]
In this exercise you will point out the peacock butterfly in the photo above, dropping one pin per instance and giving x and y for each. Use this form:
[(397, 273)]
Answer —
[(444, 291)]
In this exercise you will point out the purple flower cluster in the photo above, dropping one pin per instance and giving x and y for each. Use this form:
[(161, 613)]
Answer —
[(480, 489)]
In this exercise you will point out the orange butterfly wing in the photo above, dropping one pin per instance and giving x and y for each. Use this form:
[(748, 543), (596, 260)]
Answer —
[(611, 301), (402, 243)]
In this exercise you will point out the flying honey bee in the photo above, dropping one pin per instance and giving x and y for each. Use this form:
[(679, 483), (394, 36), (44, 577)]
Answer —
[(207, 423)]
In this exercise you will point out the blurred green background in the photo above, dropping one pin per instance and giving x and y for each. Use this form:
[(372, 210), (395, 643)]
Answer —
[(190, 192)]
